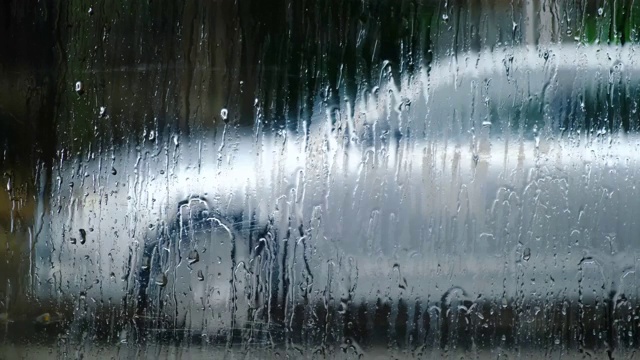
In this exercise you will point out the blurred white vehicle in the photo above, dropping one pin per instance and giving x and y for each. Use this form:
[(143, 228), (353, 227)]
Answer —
[(469, 177)]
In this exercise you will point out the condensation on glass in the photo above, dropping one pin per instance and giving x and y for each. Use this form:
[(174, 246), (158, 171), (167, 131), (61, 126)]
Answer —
[(319, 179)]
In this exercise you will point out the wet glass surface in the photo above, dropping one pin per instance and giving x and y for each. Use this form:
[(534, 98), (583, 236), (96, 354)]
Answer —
[(319, 179)]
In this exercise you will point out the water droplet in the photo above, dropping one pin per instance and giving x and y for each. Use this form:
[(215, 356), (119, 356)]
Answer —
[(47, 318), (73, 241), (445, 17), (161, 280), (402, 282), (200, 275), (43, 319), (600, 11), (79, 87), (486, 123), (83, 236), (344, 305), (193, 257), (90, 11), (224, 114), (526, 254), (123, 336), (103, 111), (114, 171)]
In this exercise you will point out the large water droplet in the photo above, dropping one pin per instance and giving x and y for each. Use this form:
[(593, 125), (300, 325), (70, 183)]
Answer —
[(402, 281), (83, 236), (123, 336), (193, 257), (161, 280)]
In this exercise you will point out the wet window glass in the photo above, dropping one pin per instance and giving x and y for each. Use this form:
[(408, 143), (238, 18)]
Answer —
[(319, 179)]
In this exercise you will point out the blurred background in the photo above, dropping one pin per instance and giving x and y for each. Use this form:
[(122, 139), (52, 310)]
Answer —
[(326, 178)]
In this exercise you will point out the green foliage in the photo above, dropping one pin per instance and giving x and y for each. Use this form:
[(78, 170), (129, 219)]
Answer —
[(614, 23)]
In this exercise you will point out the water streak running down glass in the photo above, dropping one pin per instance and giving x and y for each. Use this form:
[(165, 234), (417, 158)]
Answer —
[(319, 179)]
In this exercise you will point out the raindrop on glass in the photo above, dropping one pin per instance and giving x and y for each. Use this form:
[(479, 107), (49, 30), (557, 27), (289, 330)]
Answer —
[(193, 257), (83, 236), (161, 280)]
